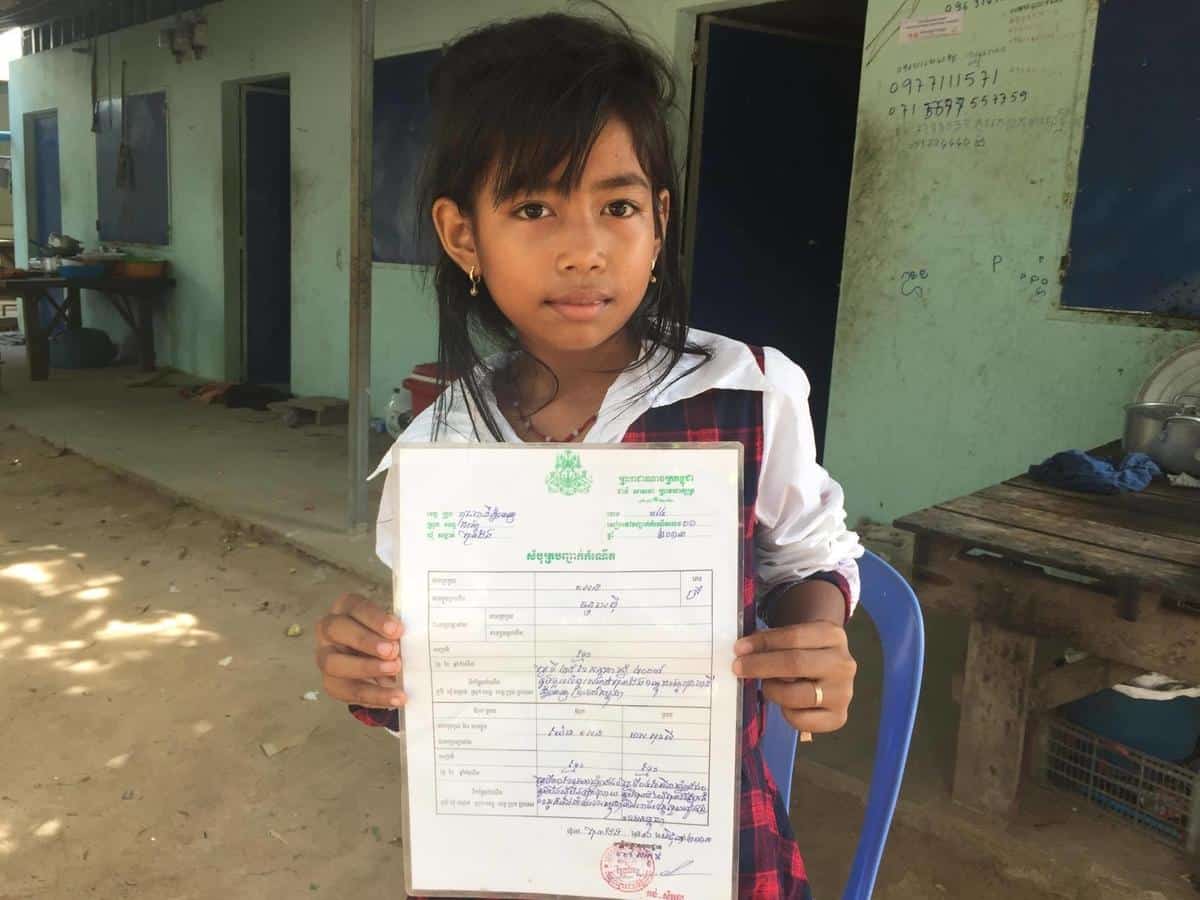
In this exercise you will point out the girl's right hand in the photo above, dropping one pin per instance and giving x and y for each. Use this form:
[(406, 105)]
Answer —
[(358, 653)]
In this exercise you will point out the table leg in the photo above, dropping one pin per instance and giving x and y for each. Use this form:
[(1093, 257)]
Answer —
[(74, 309), (37, 342), (996, 699), (145, 332)]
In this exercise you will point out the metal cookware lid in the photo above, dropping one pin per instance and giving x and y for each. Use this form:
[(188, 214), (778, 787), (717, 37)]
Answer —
[(1160, 411)]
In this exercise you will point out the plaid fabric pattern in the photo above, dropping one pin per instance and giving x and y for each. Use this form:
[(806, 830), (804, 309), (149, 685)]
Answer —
[(770, 864), (387, 718)]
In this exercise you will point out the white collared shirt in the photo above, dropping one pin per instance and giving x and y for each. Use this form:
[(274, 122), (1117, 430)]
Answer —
[(801, 509)]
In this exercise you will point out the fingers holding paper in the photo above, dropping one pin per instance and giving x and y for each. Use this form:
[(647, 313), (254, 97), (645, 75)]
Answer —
[(358, 653), (807, 670)]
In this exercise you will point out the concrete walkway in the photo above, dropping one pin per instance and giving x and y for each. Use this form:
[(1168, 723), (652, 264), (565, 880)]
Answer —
[(239, 463), (291, 484)]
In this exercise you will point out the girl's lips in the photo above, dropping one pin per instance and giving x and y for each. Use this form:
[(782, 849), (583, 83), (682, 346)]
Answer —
[(580, 304), (579, 310), (579, 295)]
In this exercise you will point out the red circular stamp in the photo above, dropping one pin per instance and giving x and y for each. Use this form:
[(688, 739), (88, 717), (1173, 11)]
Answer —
[(627, 867)]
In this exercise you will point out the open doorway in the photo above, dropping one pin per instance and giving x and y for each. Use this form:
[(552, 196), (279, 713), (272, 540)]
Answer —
[(265, 227), (772, 146)]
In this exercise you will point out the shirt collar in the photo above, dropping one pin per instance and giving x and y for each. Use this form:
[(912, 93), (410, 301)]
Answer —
[(731, 366)]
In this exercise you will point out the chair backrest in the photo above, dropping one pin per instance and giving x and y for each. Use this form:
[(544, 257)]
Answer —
[(893, 607)]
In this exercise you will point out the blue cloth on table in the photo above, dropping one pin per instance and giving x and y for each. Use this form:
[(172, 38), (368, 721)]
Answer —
[(1077, 471)]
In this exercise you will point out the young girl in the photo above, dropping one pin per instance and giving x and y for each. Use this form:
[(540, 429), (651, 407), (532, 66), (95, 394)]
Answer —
[(550, 183)]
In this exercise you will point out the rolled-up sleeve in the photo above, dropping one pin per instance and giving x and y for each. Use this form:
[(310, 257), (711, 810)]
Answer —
[(419, 431), (384, 522), (457, 430), (801, 512)]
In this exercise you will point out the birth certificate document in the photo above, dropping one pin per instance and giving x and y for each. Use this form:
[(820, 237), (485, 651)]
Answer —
[(572, 721)]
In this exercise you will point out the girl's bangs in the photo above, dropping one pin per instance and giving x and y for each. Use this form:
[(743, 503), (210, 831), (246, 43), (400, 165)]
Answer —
[(526, 158)]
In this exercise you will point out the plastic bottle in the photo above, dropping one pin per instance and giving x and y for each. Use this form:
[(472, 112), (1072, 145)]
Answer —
[(397, 413)]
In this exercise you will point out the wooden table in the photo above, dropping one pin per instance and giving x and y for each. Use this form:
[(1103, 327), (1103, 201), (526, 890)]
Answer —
[(133, 298), (1117, 576)]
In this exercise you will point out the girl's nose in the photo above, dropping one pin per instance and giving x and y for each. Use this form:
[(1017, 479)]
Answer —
[(582, 251)]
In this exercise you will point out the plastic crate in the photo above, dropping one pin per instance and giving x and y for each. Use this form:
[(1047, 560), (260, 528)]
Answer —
[(1153, 794)]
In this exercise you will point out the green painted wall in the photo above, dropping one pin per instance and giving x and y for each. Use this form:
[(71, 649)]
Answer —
[(947, 383), (936, 392), (300, 39)]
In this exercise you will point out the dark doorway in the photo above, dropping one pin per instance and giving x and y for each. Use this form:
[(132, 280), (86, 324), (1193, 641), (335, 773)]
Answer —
[(769, 177), (45, 208), (266, 233)]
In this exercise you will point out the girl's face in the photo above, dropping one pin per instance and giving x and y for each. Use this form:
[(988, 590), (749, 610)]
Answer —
[(568, 270)]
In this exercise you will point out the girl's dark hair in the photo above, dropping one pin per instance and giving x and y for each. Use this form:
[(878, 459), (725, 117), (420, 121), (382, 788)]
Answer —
[(516, 99)]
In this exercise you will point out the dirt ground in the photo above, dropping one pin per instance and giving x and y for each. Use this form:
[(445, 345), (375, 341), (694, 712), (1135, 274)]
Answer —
[(143, 667)]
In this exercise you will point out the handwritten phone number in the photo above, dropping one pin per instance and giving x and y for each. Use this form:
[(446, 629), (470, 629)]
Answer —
[(952, 107), (938, 83), (949, 143), (979, 123), (964, 5)]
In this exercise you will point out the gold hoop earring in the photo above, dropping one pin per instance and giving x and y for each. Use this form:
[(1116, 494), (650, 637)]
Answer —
[(653, 277), (474, 282)]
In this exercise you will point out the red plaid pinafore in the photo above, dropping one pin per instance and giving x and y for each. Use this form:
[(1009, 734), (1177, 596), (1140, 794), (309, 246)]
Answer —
[(770, 866)]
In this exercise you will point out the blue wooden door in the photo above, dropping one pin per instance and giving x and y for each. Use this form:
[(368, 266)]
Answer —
[(45, 211)]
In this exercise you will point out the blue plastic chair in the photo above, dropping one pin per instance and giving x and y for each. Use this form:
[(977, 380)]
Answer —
[(893, 607)]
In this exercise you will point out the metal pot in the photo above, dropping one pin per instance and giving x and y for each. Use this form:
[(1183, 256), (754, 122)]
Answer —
[(1177, 448), (1144, 422)]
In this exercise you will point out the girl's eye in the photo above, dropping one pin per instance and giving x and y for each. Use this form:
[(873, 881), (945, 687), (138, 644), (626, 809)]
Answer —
[(532, 211), (622, 209)]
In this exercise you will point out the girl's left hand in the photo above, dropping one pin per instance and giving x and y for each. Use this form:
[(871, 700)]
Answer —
[(792, 662)]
